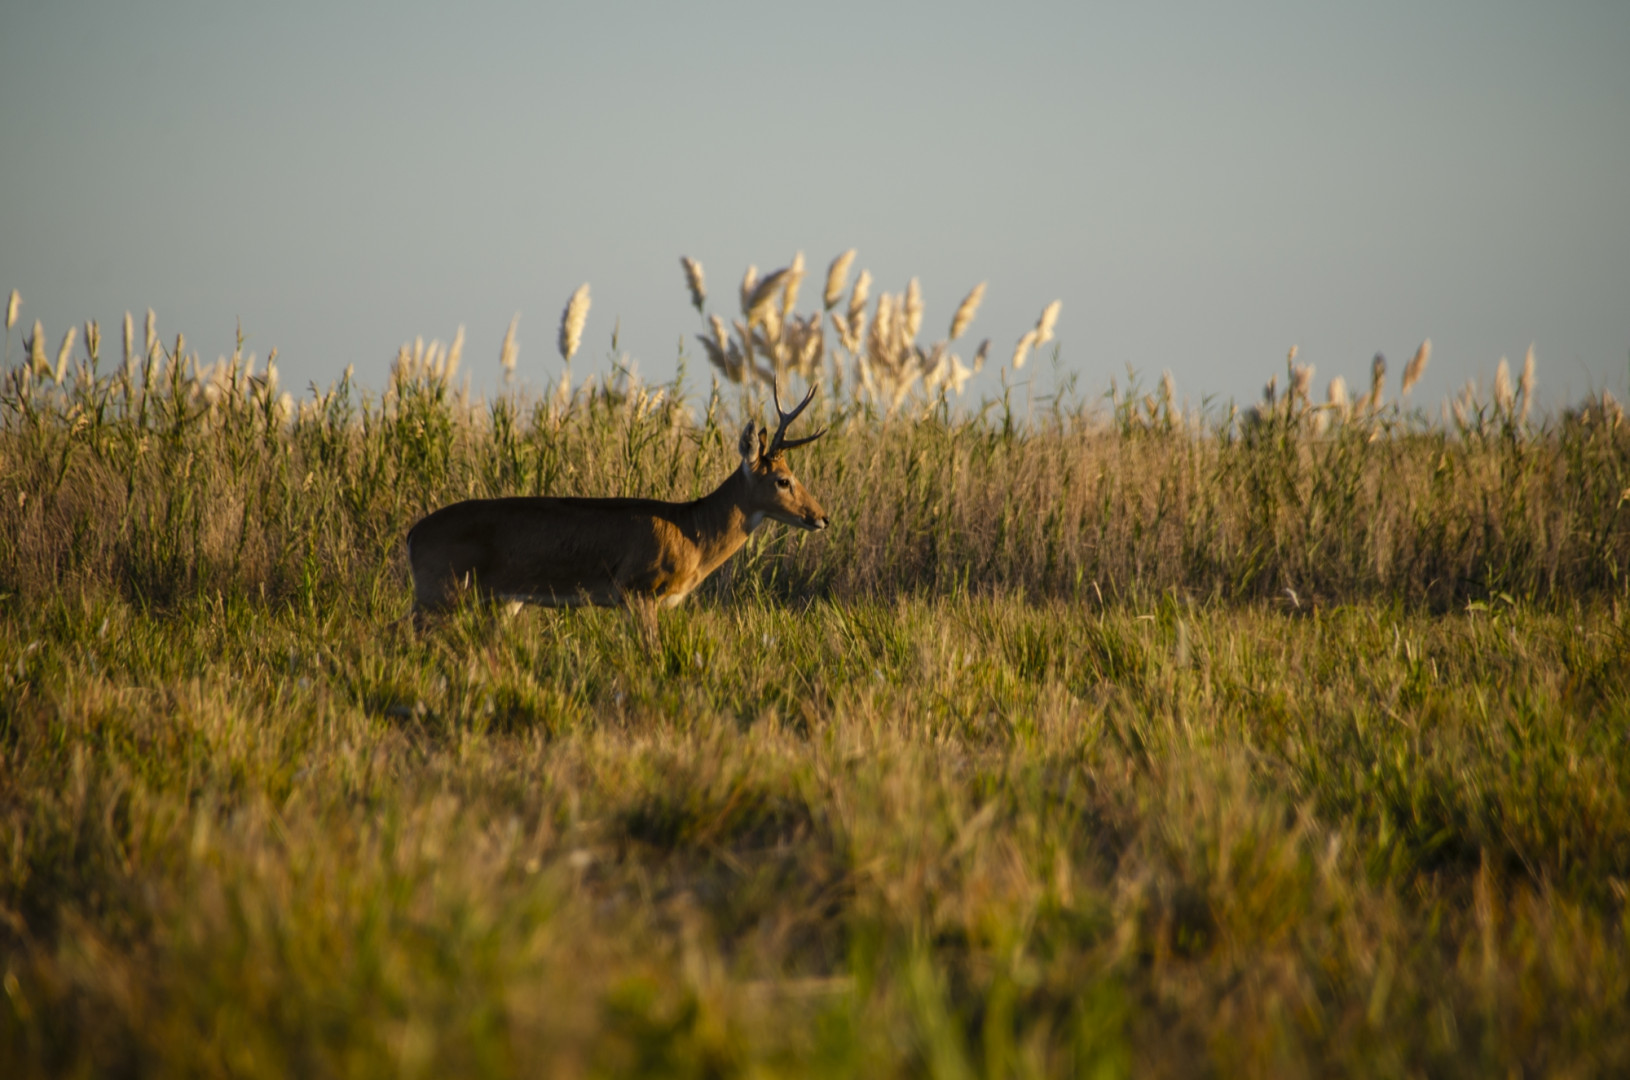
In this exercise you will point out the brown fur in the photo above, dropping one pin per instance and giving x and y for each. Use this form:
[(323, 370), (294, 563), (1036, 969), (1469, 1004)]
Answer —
[(563, 552)]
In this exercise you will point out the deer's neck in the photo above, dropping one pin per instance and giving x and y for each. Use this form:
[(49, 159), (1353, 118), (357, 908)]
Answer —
[(721, 522)]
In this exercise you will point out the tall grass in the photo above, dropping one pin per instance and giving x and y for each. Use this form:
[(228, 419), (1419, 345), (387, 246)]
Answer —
[(1100, 738), (193, 481)]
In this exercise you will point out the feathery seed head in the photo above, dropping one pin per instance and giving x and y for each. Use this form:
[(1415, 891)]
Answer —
[(1378, 378), (507, 352), (1301, 381), (1290, 357), (12, 305), (1612, 411), (1337, 396), (758, 301), (572, 320), (858, 298), (836, 274), (1168, 387), (912, 309), (694, 281), (880, 340), (1021, 351), (861, 294), (749, 282), (151, 341), (720, 350), (1417, 366), (1503, 399), (130, 340), (62, 353), (715, 355), (1525, 383), (966, 310), (1463, 404), (455, 352), (35, 343), (789, 290), (1044, 325), (980, 355)]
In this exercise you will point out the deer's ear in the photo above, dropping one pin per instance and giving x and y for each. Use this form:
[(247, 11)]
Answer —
[(763, 441), (745, 445)]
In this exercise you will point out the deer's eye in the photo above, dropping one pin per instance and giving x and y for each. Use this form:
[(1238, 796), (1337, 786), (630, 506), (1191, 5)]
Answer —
[(783, 483)]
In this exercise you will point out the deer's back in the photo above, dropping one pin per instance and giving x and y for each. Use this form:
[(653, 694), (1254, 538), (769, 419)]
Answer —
[(543, 548)]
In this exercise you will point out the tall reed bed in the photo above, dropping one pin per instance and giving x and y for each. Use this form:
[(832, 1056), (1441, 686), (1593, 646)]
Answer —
[(170, 479)]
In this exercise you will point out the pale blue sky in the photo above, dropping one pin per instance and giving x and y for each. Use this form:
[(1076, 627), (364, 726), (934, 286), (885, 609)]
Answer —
[(1201, 184)]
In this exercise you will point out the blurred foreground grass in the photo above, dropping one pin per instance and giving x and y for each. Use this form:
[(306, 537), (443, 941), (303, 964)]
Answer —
[(893, 836)]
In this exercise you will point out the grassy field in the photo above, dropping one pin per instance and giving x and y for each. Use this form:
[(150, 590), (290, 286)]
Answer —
[(1093, 739)]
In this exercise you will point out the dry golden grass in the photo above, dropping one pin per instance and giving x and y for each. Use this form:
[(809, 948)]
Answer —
[(1084, 741)]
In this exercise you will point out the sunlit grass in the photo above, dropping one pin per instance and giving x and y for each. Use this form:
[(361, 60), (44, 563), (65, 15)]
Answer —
[(1104, 741)]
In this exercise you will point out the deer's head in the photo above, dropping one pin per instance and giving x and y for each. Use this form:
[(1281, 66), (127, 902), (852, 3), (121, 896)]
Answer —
[(772, 488)]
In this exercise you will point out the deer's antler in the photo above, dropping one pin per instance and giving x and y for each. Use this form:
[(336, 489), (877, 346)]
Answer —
[(781, 442)]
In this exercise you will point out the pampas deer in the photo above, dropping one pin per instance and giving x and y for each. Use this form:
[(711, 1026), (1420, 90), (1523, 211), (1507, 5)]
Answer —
[(565, 552)]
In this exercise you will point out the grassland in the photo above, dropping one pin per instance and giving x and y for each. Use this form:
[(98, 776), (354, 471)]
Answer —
[(1088, 740)]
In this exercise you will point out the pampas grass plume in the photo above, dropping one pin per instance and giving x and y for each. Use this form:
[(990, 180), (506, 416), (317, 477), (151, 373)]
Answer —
[(1417, 366), (1337, 396), (694, 280), (12, 305), (912, 309), (62, 353), (749, 282), (1378, 378), (966, 310), (572, 320), (1044, 325), (836, 274), (1021, 351), (789, 290), (857, 301), (507, 352), (758, 301), (455, 352), (1525, 383), (1502, 386), (37, 362), (1301, 382)]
